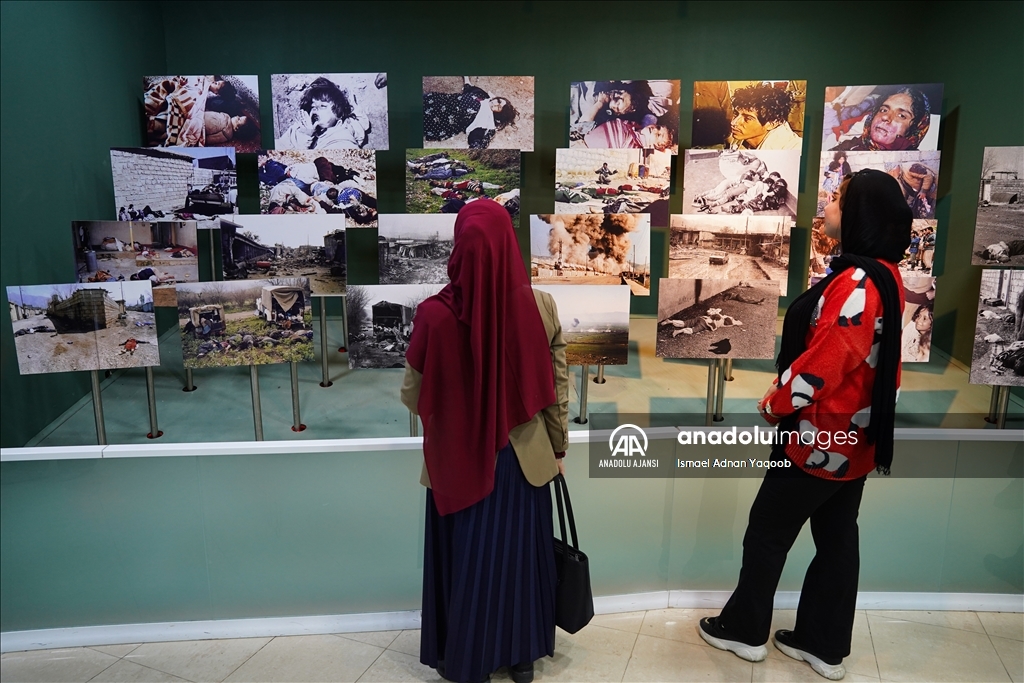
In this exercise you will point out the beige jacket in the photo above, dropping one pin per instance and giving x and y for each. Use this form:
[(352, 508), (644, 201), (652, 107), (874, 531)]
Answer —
[(536, 441)]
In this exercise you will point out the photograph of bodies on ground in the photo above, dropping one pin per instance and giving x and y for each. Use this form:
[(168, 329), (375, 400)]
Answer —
[(259, 247), (918, 259), (918, 316), (749, 114), (999, 230), (245, 322), (202, 111), (887, 118), (414, 249), (752, 181), (998, 357), (716, 318), (916, 172), (174, 183), (744, 248), (96, 326), (592, 249), (595, 322), (477, 112), (443, 181), (613, 181), (342, 182), (624, 115), (380, 322), (330, 111)]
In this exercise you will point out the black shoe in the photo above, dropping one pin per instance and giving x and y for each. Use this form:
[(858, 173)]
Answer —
[(715, 636), (829, 667), (521, 673)]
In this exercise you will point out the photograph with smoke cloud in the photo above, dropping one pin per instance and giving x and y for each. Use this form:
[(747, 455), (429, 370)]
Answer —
[(613, 181), (701, 318), (730, 248), (755, 181), (595, 322), (592, 249)]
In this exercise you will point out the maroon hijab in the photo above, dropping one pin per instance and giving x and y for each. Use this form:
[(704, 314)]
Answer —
[(481, 346)]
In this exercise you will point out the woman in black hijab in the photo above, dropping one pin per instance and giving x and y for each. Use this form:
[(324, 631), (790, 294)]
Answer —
[(839, 370)]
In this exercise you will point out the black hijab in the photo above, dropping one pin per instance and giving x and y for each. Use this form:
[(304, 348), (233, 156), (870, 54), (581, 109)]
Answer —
[(875, 226)]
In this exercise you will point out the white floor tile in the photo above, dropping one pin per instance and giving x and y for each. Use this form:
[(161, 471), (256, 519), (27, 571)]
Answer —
[(963, 621), (1011, 652), (676, 624), (659, 659), (197, 660), (114, 650), (624, 621), (125, 671), (397, 667), (311, 659), (378, 638), (407, 642), (1003, 624), (73, 665), (595, 653)]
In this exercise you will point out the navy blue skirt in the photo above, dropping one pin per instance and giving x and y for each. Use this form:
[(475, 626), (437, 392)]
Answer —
[(489, 579)]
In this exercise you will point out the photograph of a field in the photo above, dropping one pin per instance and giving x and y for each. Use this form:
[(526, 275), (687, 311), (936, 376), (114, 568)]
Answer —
[(595, 322)]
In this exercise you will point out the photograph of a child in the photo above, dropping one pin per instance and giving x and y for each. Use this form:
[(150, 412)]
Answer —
[(999, 228), (916, 172), (330, 111), (613, 181), (443, 181), (750, 182), (918, 315), (748, 114), (478, 112), (624, 115), (888, 118), (334, 181), (202, 111), (998, 358)]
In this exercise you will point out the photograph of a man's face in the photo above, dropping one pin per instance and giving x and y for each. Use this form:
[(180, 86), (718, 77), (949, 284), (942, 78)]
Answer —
[(330, 111), (202, 111), (886, 118), (748, 114), (624, 115)]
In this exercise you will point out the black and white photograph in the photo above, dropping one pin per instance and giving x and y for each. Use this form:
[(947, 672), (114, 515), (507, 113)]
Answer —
[(916, 172), (202, 111), (246, 322), (999, 228), (414, 248), (998, 358), (478, 112), (163, 253), (94, 326), (704, 318), (918, 317), (747, 248), (749, 114), (332, 182), (312, 247), (380, 322), (592, 249), (624, 115), (882, 118), (750, 182), (444, 181), (174, 184), (613, 181), (330, 111), (595, 322)]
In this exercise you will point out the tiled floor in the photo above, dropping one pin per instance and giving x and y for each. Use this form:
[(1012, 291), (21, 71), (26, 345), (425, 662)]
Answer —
[(658, 645)]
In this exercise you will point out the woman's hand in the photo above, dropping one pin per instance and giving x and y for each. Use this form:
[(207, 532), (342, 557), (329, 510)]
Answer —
[(763, 404), (561, 466)]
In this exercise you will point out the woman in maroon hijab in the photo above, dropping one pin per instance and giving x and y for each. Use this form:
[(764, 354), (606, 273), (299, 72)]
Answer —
[(486, 373)]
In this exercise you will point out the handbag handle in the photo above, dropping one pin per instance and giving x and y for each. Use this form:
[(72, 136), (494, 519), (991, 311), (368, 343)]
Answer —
[(561, 486)]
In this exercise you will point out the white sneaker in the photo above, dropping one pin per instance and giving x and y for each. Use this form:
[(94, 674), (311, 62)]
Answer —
[(714, 636), (786, 645)]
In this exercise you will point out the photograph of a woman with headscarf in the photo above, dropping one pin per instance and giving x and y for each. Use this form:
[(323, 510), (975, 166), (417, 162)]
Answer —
[(888, 118)]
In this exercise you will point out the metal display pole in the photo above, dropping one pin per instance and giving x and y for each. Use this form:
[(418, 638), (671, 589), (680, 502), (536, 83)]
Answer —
[(1004, 405), (154, 430), (97, 409), (728, 370), (599, 379), (993, 406), (720, 391), (257, 411), (414, 424), (297, 425), (213, 256), (712, 375), (325, 365), (582, 418), (189, 384)]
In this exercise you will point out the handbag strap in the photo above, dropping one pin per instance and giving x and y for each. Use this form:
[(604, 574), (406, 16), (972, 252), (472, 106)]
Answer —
[(560, 487)]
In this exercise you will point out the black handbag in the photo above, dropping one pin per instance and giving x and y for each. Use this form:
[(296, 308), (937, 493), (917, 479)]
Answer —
[(574, 602)]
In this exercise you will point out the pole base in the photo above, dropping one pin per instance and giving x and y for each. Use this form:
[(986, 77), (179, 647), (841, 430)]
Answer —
[(580, 421), (326, 384), (718, 418), (194, 387), (300, 428), (601, 380), (342, 349), (991, 421), (149, 435)]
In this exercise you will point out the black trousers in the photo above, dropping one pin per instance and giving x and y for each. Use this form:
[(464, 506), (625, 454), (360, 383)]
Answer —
[(828, 599)]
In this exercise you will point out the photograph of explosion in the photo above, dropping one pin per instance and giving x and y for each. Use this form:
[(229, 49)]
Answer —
[(95, 326), (414, 248), (730, 248), (255, 247), (595, 322), (613, 181), (592, 249), (716, 318), (380, 322), (249, 322), (444, 181)]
